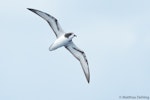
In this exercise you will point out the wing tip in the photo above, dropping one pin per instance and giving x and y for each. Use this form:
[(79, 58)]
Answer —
[(88, 79), (33, 10), (29, 8), (88, 76)]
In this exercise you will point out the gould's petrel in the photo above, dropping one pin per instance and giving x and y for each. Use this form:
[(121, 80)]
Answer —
[(64, 39)]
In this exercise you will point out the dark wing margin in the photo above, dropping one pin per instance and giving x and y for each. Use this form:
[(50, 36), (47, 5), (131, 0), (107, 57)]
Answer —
[(80, 55), (52, 21)]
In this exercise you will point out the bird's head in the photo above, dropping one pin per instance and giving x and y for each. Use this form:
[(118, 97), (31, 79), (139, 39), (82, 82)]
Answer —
[(70, 35)]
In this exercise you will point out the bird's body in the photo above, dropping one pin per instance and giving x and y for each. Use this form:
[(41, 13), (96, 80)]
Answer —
[(59, 42), (64, 39)]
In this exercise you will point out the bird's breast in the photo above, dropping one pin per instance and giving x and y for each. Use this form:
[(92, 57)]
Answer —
[(59, 43)]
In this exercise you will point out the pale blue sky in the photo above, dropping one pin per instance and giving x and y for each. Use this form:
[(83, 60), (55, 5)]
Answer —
[(115, 34)]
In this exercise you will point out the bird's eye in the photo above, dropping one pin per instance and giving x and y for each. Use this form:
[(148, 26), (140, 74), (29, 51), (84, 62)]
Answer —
[(68, 35)]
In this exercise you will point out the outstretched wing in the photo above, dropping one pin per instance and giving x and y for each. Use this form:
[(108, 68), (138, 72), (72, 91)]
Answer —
[(52, 21), (80, 55)]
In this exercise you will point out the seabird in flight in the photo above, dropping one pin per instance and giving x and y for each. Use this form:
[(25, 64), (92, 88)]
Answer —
[(64, 39)]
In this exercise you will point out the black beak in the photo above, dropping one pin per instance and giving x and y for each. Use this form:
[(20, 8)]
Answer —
[(75, 36)]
